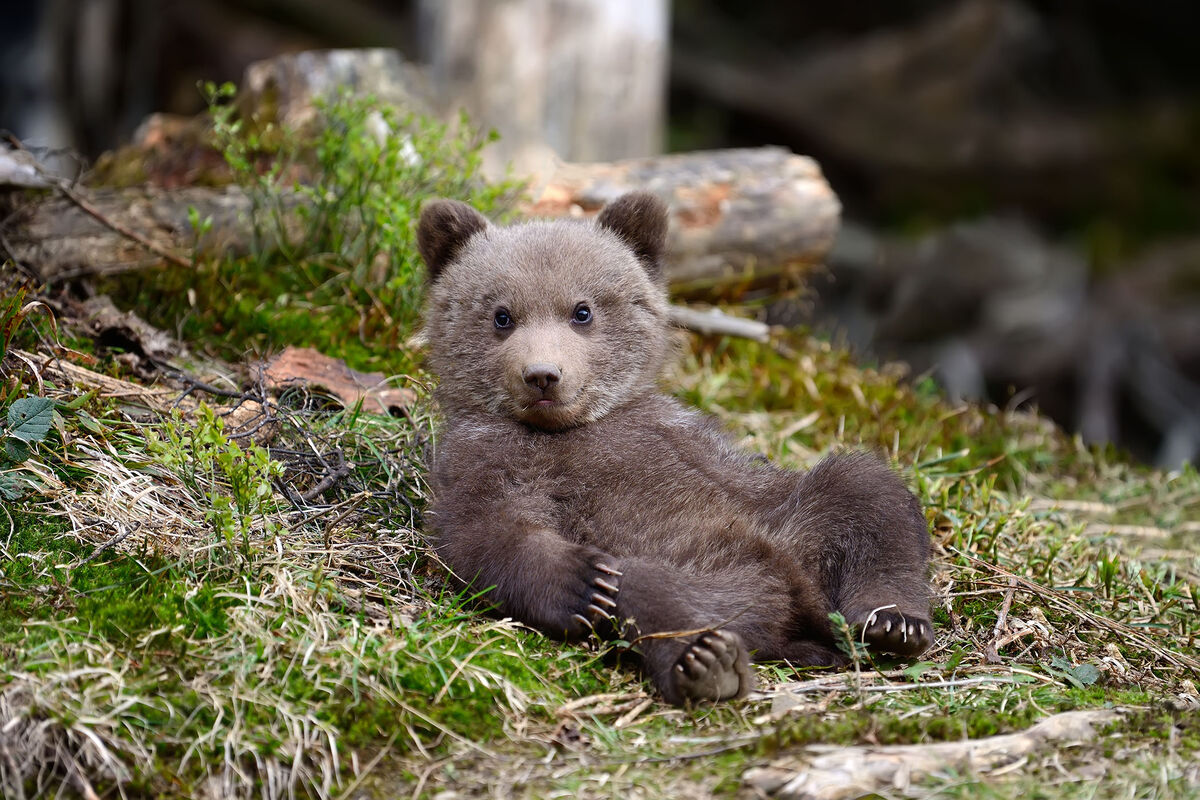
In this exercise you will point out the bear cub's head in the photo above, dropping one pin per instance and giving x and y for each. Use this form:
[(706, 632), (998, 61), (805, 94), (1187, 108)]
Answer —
[(554, 324)]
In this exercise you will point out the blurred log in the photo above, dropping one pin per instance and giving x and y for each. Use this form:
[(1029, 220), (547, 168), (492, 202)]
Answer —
[(874, 101), (61, 241), (736, 215)]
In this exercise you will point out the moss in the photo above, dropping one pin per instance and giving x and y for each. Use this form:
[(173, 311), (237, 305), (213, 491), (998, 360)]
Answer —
[(116, 596)]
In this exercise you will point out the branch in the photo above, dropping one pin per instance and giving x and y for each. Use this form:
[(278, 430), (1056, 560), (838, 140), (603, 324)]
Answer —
[(715, 322)]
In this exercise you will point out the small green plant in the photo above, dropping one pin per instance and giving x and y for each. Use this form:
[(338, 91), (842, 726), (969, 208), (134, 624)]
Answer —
[(1077, 675), (28, 423), (19, 325), (332, 262), (12, 312), (851, 647), (1108, 569), (235, 483)]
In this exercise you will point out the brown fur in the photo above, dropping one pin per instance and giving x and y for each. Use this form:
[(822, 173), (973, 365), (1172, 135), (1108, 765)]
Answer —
[(610, 499)]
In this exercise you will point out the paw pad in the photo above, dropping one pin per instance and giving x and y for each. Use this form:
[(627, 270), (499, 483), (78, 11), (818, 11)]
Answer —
[(714, 667)]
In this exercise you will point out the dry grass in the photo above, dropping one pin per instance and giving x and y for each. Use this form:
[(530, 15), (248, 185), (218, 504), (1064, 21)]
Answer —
[(1064, 579)]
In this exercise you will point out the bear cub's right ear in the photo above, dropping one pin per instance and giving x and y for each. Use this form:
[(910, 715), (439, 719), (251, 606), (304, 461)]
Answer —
[(444, 228)]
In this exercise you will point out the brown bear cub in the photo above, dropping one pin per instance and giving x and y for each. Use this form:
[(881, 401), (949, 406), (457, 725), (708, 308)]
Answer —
[(581, 499)]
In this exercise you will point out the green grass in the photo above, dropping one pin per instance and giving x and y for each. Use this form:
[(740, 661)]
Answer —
[(183, 606), (296, 644)]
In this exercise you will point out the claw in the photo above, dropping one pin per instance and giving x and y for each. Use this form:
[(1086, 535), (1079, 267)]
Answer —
[(604, 600), (606, 569), (887, 626), (582, 619), (600, 612), (605, 585)]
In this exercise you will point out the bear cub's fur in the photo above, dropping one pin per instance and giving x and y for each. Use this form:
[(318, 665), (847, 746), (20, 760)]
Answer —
[(581, 499)]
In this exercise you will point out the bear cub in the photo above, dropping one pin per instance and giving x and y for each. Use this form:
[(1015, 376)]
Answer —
[(579, 498)]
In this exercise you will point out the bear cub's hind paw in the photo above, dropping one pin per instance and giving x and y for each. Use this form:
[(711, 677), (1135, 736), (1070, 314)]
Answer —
[(714, 667), (889, 631)]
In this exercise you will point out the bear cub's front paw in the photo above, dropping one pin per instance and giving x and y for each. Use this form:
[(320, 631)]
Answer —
[(591, 599), (889, 631), (714, 667)]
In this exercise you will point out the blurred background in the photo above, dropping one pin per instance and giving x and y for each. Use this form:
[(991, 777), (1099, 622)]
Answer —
[(1020, 181)]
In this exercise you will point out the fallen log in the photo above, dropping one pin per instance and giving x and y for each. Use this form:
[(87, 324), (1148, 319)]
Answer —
[(736, 215)]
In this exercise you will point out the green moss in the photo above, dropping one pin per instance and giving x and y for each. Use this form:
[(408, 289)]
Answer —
[(863, 407), (115, 596)]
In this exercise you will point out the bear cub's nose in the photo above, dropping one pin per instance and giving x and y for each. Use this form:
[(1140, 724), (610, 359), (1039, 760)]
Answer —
[(542, 376)]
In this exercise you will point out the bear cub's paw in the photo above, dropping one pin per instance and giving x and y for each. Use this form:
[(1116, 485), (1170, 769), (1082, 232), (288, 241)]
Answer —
[(887, 630), (714, 667), (593, 601)]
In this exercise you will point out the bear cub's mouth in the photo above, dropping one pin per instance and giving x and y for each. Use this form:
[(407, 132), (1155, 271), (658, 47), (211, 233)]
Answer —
[(551, 412)]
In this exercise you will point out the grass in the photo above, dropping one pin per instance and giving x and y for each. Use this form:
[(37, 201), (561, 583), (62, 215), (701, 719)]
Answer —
[(237, 600), (257, 647)]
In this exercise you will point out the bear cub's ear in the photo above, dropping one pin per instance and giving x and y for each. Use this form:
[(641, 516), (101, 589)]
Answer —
[(640, 219), (444, 228)]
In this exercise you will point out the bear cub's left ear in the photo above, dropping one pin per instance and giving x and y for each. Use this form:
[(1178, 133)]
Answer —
[(444, 228), (640, 219)]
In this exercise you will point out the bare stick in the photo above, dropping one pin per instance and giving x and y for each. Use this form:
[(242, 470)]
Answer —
[(992, 652), (716, 322), (834, 772)]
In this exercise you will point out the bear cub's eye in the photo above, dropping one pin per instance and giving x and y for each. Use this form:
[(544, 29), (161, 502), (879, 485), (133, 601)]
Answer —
[(503, 319), (582, 315)]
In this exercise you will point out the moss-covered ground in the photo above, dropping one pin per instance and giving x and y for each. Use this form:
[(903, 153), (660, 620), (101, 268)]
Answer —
[(273, 646), (192, 606)]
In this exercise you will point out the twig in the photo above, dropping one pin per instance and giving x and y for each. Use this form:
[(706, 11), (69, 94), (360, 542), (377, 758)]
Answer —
[(836, 772), (715, 321), (62, 186), (629, 716), (992, 652), (566, 709), (113, 542), (371, 765), (332, 476), (898, 687)]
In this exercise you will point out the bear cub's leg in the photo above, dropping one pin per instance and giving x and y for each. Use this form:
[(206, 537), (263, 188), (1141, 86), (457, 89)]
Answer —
[(696, 631), (856, 519)]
